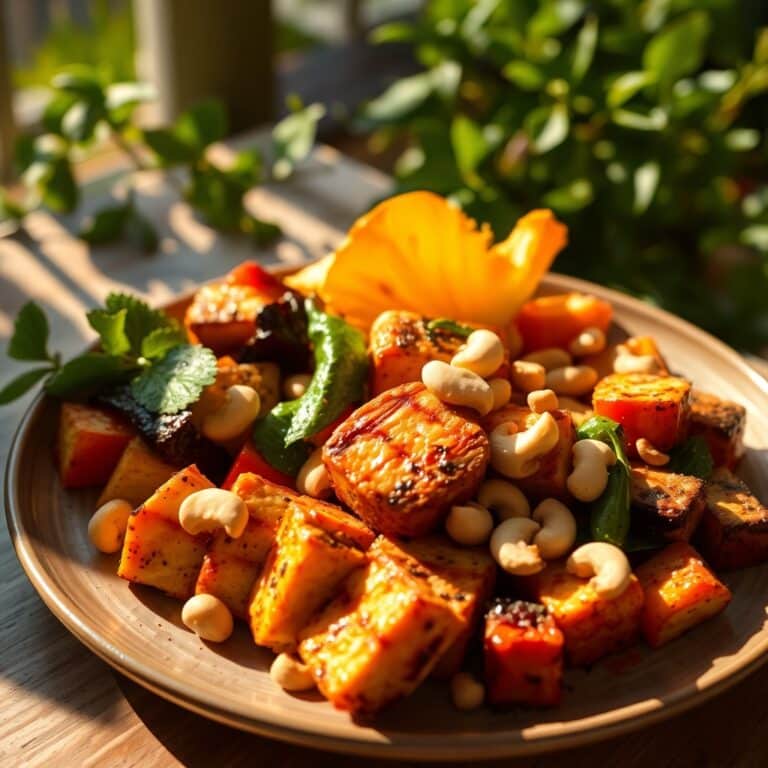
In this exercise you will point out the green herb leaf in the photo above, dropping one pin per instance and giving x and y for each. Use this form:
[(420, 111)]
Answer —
[(692, 457), (140, 319), (81, 81), (293, 138), (269, 437), (160, 341), (81, 119), (111, 329), (551, 131), (442, 326), (469, 146), (177, 380), (202, 124), (87, 374), (646, 181), (121, 95), (22, 384), (140, 232), (169, 148), (524, 75), (105, 226), (262, 232), (584, 52), (59, 190), (624, 87), (30, 334)]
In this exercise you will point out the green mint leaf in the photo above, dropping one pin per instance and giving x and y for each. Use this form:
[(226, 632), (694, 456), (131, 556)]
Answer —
[(442, 326), (30, 334), (160, 341), (105, 226), (140, 318), (177, 380), (692, 457), (22, 384), (88, 373), (111, 329), (269, 437)]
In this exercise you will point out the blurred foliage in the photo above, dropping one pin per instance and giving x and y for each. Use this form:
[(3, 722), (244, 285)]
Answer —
[(642, 124)]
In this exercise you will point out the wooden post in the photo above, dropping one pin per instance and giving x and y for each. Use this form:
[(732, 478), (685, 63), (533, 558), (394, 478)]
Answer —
[(194, 50), (7, 125)]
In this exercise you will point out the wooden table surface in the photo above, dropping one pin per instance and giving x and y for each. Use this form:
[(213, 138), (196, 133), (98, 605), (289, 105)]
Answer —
[(62, 706)]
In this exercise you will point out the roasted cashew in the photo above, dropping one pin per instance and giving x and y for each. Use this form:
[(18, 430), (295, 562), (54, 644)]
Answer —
[(512, 549), (313, 478), (213, 508), (549, 358), (542, 400), (527, 376), (605, 563), (505, 499), (650, 454), (457, 386), (482, 353), (590, 475), (502, 392), (469, 524), (572, 379), (516, 455), (558, 529), (590, 341)]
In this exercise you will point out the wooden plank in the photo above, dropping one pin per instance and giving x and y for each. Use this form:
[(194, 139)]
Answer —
[(7, 127)]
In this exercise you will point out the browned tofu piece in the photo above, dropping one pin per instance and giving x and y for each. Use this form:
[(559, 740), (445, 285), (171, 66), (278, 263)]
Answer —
[(549, 480), (734, 533), (231, 566), (402, 459), (462, 576), (665, 503), (592, 625), (379, 638), (680, 592), (721, 423), (316, 547)]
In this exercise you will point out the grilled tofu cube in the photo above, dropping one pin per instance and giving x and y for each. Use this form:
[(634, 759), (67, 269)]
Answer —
[(461, 576), (90, 443), (649, 406), (523, 653), (680, 592), (316, 547), (231, 566), (549, 480), (592, 625), (402, 459), (137, 475), (157, 551), (665, 503), (378, 639), (734, 533), (721, 423)]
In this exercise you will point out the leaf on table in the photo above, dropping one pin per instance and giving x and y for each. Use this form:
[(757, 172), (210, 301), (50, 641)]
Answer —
[(106, 225), (30, 334), (293, 138), (140, 231), (202, 124), (169, 148)]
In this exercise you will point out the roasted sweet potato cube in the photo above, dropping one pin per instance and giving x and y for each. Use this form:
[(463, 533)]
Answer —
[(157, 551), (316, 547), (402, 459), (680, 592), (646, 405), (231, 566), (137, 475), (721, 423), (91, 441), (734, 533), (665, 503), (549, 480), (523, 652), (462, 576), (592, 625), (378, 639)]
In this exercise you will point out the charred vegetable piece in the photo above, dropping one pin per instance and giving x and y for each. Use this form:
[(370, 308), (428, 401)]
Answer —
[(721, 423), (680, 592), (250, 460), (90, 443), (734, 533), (402, 459), (523, 651), (257, 277)]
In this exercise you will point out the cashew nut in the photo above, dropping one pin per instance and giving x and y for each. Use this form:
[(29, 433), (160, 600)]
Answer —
[(240, 409), (549, 358), (605, 563), (558, 529), (482, 353), (505, 499), (590, 475), (106, 529), (295, 386), (502, 392), (512, 549), (208, 618), (542, 400), (469, 524), (626, 362), (516, 455), (466, 692), (650, 454), (290, 673), (457, 386), (213, 508), (528, 376), (313, 478), (589, 342), (572, 379)]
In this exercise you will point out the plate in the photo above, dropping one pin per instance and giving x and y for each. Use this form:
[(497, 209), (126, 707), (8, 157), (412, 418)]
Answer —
[(139, 632)]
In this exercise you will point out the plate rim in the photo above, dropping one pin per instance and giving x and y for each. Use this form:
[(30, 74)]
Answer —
[(473, 745)]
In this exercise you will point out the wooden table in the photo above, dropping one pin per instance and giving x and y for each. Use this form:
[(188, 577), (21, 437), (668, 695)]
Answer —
[(62, 706)]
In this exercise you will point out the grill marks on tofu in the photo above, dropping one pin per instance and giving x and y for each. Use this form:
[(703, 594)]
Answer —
[(721, 423), (668, 504), (734, 533), (402, 459)]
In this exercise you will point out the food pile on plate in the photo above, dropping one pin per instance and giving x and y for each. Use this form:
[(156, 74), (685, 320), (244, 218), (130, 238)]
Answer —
[(403, 465)]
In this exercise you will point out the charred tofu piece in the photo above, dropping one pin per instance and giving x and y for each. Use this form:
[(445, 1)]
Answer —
[(231, 566), (734, 533), (523, 653), (593, 626), (649, 406), (554, 467), (316, 547), (379, 638), (462, 576), (680, 592), (667, 504), (157, 551), (402, 459), (721, 423)]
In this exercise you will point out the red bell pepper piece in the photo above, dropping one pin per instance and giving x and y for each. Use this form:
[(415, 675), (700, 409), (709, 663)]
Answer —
[(250, 460), (254, 275)]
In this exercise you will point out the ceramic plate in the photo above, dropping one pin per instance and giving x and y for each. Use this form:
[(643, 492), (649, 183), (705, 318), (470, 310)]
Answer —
[(139, 632)]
